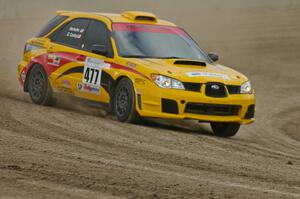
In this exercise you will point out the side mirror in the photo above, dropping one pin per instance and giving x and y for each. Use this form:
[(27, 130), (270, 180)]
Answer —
[(213, 56), (99, 49)]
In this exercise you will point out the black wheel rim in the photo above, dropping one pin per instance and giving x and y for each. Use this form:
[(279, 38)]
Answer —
[(37, 85), (122, 101)]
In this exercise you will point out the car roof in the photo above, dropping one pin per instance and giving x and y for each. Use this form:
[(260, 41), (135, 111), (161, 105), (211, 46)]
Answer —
[(124, 17)]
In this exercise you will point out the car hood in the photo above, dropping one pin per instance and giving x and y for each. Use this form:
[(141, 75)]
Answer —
[(192, 73)]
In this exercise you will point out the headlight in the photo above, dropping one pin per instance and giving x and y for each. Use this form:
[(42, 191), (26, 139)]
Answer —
[(246, 88), (167, 82)]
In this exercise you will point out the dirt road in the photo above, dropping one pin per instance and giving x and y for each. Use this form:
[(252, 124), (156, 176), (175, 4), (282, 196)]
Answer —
[(66, 152)]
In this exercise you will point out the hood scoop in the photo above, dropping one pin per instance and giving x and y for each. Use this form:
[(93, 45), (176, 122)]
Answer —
[(189, 62), (140, 16)]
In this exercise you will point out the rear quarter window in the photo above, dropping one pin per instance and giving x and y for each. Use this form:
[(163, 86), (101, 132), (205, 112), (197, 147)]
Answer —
[(51, 25)]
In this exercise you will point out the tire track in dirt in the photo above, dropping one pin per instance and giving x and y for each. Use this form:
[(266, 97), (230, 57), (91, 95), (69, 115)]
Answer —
[(121, 148)]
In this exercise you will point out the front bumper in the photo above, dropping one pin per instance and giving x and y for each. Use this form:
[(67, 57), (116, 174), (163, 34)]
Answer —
[(151, 99)]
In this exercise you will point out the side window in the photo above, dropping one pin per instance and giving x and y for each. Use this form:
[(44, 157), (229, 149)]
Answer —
[(72, 33), (98, 34), (51, 24)]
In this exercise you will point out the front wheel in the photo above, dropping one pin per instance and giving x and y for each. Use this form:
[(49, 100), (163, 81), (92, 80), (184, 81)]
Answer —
[(124, 102), (223, 129)]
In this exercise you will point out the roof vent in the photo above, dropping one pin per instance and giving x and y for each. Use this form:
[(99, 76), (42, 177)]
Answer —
[(188, 62), (139, 16)]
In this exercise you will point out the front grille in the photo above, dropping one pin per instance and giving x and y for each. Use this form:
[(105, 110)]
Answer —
[(212, 109), (215, 90), (195, 87), (169, 106), (233, 89), (251, 112)]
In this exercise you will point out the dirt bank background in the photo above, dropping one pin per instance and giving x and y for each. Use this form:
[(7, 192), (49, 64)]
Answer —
[(61, 153)]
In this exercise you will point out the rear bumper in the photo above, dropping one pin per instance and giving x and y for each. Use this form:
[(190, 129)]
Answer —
[(151, 103)]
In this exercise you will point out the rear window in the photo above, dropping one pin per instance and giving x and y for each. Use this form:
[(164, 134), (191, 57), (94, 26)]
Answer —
[(51, 24)]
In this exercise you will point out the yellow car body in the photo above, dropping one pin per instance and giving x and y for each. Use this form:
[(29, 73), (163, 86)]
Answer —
[(66, 68)]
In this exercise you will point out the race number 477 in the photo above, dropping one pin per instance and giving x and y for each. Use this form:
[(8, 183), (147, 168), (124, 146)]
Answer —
[(93, 70), (91, 76)]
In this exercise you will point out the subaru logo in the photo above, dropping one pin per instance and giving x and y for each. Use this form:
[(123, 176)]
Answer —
[(215, 87)]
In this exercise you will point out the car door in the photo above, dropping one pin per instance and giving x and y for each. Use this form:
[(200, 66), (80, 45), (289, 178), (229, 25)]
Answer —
[(93, 84), (80, 70), (65, 55)]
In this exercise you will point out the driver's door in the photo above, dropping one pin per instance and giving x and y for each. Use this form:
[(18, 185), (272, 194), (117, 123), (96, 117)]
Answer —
[(96, 67)]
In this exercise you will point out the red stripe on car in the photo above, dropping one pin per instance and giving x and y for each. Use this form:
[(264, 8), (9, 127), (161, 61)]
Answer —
[(120, 67), (72, 57)]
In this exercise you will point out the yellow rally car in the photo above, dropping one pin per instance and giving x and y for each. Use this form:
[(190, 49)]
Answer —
[(137, 64)]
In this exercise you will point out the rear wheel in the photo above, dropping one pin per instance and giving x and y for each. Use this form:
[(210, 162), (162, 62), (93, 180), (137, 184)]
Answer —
[(223, 129), (38, 87), (124, 102)]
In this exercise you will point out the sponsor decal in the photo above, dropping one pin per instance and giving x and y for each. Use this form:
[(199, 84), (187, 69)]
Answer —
[(66, 84), (88, 88), (75, 33), (93, 70), (54, 60), (206, 74)]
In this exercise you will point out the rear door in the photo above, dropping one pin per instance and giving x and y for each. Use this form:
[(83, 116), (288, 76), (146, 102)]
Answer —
[(65, 55)]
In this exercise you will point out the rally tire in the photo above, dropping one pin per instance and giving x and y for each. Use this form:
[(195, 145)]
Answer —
[(38, 86), (124, 102), (223, 129)]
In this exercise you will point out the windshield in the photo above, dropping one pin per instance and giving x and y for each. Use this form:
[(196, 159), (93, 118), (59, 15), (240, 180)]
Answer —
[(153, 41)]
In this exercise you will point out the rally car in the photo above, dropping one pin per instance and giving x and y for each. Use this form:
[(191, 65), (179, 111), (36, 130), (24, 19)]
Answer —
[(139, 66)]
